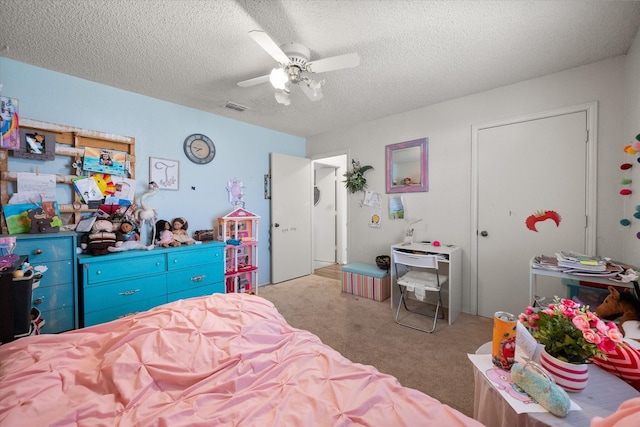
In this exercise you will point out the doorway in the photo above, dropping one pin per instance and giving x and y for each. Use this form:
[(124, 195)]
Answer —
[(533, 193), (329, 216)]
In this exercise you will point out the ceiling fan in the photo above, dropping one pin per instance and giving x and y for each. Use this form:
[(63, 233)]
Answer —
[(295, 68)]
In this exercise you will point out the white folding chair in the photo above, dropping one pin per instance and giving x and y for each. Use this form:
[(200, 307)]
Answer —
[(418, 273)]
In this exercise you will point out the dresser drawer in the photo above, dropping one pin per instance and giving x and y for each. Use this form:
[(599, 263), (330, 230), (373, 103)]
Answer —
[(52, 297), (118, 269), (58, 320), (44, 250), (58, 272), (214, 288), (115, 294), (193, 277), (112, 313), (186, 259)]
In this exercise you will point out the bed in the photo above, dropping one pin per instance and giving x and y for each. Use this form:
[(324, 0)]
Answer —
[(228, 360)]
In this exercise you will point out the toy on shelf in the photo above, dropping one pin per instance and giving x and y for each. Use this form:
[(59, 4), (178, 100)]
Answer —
[(239, 230), (164, 235), (180, 226)]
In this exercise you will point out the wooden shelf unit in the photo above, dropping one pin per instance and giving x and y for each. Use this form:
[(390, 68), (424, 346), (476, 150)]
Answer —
[(70, 142)]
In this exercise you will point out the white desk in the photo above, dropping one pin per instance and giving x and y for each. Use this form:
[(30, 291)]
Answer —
[(534, 272), (453, 269)]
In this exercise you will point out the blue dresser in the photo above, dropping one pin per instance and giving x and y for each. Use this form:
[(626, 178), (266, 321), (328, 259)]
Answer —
[(56, 294), (122, 283)]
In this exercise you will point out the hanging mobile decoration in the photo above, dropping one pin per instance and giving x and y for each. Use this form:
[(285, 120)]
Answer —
[(632, 149)]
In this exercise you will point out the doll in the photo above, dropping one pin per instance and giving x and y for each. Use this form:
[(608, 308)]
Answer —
[(164, 235), (129, 232), (180, 234), (128, 239)]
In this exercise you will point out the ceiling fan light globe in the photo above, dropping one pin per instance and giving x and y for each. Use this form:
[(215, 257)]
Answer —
[(279, 78), (282, 97)]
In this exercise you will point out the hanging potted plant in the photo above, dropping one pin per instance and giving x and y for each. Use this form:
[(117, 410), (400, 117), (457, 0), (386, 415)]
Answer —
[(355, 180)]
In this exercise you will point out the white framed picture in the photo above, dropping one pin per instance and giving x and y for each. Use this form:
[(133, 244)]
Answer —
[(164, 172)]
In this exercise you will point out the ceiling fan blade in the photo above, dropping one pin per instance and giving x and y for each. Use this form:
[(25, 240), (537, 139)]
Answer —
[(313, 95), (254, 81), (267, 43), (339, 62)]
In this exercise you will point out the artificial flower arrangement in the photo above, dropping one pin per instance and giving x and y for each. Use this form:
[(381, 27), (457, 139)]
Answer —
[(570, 332)]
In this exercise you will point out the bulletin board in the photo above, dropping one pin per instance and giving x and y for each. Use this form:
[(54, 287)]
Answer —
[(70, 142)]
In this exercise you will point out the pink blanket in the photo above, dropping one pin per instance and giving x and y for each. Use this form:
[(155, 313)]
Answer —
[(218, 360)]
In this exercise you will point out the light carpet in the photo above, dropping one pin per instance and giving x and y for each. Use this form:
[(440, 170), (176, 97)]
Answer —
[(365, 331)]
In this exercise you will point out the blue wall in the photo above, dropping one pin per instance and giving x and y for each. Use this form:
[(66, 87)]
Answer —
[(159, 128)]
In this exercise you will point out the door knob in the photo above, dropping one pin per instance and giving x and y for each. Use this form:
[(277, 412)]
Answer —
[(484, 233), (276, 225)]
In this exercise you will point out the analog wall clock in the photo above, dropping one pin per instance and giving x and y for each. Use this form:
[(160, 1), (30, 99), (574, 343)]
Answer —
[(199, 148)]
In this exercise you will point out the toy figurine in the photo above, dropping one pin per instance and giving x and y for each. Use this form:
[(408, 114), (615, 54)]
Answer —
[(164, 234), (180, 234)]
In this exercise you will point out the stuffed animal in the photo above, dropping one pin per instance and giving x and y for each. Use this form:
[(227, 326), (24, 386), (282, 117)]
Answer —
[(101, 238), (624, 304)]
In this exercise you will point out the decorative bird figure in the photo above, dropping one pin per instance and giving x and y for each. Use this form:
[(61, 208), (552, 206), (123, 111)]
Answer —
[(146, 213)]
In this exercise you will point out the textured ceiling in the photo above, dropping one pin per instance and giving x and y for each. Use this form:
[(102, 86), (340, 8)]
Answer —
[(413, 53)]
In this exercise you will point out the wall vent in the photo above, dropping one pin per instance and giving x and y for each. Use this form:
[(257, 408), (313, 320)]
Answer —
[(233, 106)]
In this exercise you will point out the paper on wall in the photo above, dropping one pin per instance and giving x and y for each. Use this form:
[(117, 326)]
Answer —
[(42, 186), (372, 199)]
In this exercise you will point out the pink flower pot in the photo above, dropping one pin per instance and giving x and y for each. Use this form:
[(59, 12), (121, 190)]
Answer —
[(570, 376)]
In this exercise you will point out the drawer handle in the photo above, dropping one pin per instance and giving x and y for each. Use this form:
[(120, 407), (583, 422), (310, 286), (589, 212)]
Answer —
[(175, 261), (38, 301), (98, 272), (157, 264), (129, 292), (198, 278), (37, 252)]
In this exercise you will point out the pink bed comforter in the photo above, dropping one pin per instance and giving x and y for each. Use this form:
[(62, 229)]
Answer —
[(218, 360)]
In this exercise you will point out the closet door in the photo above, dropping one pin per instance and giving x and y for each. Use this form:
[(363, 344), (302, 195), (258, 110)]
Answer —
[(528, 168)]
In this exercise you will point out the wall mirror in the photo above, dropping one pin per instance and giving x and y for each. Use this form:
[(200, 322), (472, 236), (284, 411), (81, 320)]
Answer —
[(407, 166)]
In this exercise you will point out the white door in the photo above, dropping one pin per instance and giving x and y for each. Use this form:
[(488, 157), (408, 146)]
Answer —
[(532, 186), (324, 216), (291, 201)]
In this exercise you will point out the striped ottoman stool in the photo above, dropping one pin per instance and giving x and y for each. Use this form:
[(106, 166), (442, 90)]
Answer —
[(366, 280)]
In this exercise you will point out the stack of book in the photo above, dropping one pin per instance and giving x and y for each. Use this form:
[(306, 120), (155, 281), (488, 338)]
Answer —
[(578, 264)]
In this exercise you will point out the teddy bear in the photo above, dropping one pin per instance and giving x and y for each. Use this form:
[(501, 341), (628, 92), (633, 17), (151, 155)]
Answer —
[(101, 238)]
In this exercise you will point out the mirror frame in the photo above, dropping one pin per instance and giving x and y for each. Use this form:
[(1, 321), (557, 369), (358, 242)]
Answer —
[(424, 175)]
